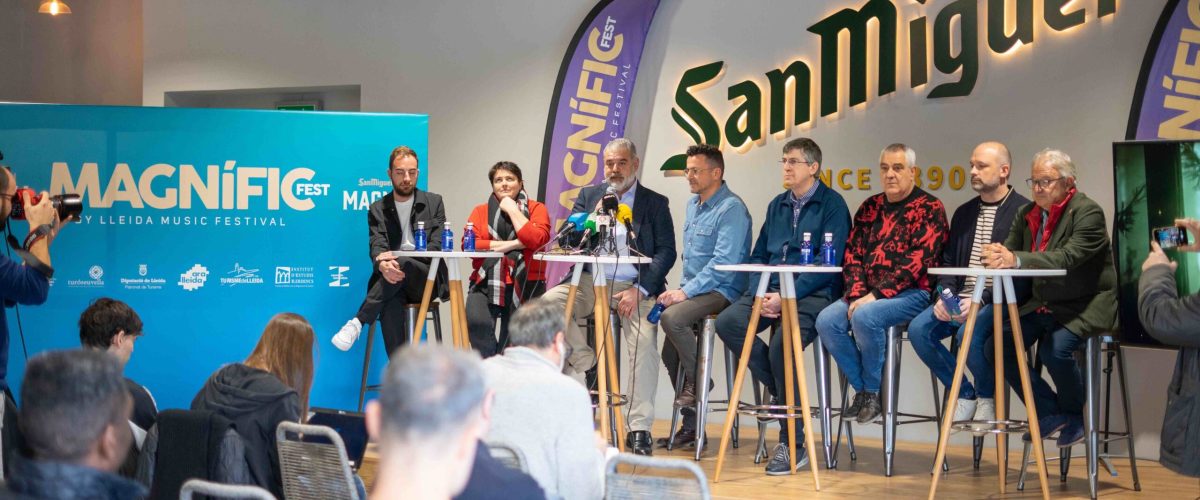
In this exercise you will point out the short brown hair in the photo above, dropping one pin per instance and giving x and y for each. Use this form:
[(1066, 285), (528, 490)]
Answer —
[(403, 152), (710, 153), (508, 166), (285, 350)]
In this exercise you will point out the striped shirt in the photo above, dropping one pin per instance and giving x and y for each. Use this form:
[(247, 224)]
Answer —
[(983, 236)]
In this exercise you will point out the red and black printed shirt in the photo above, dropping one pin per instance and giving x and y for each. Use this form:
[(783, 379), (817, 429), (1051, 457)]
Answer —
[(893, 244)]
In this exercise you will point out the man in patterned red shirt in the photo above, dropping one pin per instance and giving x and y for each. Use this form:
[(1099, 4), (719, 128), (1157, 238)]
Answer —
[(897, 235)]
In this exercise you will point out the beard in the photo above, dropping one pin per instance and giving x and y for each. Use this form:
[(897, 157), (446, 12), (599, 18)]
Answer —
[(980, 186), (621, 185), (403, 190)]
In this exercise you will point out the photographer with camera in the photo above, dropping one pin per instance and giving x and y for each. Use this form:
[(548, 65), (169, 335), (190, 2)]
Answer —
[(25, 283), (1172, 319)]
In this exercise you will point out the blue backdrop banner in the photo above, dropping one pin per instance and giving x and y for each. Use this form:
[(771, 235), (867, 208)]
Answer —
[(207, 222)]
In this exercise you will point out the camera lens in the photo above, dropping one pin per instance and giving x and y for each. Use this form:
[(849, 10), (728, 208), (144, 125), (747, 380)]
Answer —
[(67, 205)]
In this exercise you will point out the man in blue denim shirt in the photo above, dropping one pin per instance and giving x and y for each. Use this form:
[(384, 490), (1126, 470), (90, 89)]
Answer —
[(716, 231), (807, 207)]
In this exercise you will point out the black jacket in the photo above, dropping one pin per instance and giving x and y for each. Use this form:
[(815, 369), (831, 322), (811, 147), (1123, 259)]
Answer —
[(652, 226), (256, 402), (1172, 320), (492, 479), (957, 252), (386, 233), (61, 481)]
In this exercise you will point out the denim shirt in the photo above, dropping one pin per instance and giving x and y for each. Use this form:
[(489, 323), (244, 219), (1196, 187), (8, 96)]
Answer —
[(715, 232)]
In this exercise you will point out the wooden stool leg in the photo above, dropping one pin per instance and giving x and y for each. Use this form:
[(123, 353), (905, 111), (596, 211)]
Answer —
[(426, 295), (1001, 392), (735, 392), (789, 387), (610, 357), (955, 386), (599, 313), (1035, 432), (790, 312)]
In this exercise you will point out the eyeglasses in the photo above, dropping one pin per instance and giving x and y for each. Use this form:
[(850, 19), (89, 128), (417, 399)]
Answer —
[(692, 172), (793, 162), (1041, 183)]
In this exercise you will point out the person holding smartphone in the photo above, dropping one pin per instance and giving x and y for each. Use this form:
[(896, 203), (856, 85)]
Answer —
[(1171, 319)]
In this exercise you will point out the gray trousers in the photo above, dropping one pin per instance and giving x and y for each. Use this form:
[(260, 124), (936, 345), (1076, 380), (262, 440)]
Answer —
[(641, 346), (677, 323)]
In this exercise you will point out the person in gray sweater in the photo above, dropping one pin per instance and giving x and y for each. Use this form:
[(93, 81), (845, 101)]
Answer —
[(543, 414), (1172, 320)]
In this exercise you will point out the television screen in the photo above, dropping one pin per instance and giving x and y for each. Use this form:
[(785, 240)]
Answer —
[(1156, 182)]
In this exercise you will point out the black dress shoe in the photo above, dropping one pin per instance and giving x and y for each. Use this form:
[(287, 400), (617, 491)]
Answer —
[(684, 437), (687, 396), (639, 443)]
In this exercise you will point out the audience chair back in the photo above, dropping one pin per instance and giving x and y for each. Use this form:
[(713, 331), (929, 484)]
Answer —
[(190, 444), (316, 470), (508, 455), (659, 478), (223, 491)]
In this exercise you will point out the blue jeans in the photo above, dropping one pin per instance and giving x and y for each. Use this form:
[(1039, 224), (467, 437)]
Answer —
[(861, 357), (926, 332), (1056, 350)]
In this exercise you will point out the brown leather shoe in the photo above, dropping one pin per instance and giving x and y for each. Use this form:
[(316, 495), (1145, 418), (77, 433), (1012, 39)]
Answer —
[(687, 396)]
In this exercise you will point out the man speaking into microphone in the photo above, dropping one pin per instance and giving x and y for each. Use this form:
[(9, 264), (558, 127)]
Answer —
[(635, 287)]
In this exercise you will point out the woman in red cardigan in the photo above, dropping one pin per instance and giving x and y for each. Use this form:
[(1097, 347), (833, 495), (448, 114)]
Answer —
[(512, 223)]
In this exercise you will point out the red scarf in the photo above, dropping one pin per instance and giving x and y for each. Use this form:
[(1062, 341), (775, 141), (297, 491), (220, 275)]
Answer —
[(1034, 219)]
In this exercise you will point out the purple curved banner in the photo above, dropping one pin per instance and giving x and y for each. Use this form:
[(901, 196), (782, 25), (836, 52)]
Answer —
[(1167, 102), (591, 102)]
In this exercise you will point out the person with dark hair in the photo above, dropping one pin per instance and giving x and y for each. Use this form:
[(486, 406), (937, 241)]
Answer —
[(1062, 229), (982, 220), (112, 326), (270, 387), (397, 282), (74, 416), (28, 283), (512, 223), (807, 207), (634, 287), (1172, 320), (897, 236), (544, 414), (716, 231)]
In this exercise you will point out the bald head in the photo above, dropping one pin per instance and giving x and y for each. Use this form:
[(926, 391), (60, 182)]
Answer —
[(991, 165)]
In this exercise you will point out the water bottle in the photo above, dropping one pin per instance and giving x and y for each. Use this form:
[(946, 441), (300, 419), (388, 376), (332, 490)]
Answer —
[(806, 250), (447, 239), (468, 239), (827, 251), (421, 239), (950, 300), (655, 313)]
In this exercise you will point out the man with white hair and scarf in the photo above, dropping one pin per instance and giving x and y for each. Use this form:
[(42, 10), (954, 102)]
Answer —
[(1062, 229)]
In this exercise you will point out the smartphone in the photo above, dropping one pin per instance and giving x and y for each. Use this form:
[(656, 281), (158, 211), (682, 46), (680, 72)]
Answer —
[(1170, 236)]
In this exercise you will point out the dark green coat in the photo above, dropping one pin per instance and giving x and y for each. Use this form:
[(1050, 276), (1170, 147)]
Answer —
[(1085, 300)]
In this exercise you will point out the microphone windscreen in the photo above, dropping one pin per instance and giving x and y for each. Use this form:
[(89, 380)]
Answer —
[(609, 202), (590, 223), (624, 213), (577, 219)]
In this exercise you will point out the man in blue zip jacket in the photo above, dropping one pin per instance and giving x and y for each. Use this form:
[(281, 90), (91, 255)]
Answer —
[(808, 206)]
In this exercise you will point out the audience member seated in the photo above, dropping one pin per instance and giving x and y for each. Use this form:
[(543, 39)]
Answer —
[(489, 475), (1061, 229), (270, 387), (75, 412), (112, 326), (428, 421), (544, 414), (1172, 320), (897, 235)]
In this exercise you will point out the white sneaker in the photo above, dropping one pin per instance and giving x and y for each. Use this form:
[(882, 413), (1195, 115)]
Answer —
[(985, 409), (348, 334), (964, 409)]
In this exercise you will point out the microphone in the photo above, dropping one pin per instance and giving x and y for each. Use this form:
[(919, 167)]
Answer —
[(589, 227), (610, 201), (572, 224), (625, 215)]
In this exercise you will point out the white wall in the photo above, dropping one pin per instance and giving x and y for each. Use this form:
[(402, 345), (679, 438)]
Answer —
[(93, 56), (484, 72)]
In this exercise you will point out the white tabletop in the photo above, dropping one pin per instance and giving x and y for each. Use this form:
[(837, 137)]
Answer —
[(764, 268), (444, 255), (977, 272), (592, 259)]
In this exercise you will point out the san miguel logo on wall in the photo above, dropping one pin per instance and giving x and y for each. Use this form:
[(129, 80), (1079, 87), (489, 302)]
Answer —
[(1007, 25), (1166, 104)]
